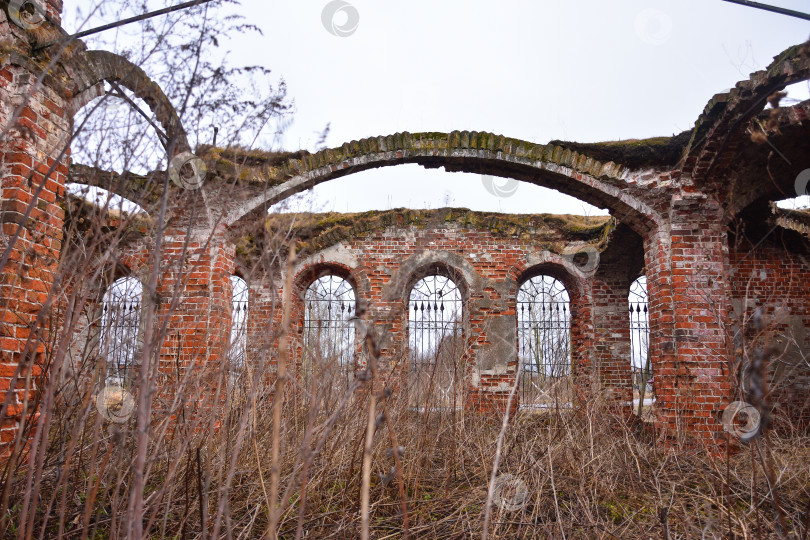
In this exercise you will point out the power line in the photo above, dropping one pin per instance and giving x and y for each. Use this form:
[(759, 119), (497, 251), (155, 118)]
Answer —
[(774, 9), (130, 20)]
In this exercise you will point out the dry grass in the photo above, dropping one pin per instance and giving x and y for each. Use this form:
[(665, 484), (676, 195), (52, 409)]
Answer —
[(609, 478)]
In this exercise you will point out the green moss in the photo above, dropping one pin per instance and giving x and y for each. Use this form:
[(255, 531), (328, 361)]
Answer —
[(635, 153), (314, 232)]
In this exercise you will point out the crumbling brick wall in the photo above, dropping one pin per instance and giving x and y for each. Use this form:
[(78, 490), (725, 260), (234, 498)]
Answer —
[(34, 129), (774, 277), (487, 265)]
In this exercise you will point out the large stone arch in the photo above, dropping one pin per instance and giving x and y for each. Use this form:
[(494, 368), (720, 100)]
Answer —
[(92, 68), (605, 184)]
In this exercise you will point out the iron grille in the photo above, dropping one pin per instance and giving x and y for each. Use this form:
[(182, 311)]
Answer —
[(544, 338), (329, 337), (120, 322), (639, 338), (236, 354), (435, 337)]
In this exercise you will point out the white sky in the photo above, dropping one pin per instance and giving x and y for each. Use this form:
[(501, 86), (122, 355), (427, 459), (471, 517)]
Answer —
[(580, 70)]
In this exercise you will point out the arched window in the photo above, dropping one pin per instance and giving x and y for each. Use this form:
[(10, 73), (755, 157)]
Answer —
[(330, 304), (544, 336), (239, 295), (434, 315), (120, 321), (639, 339)]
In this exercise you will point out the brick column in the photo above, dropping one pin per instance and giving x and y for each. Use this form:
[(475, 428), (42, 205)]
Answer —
[(582, 341), (33, 129), (195, 306), (612, 332), (689, 317)]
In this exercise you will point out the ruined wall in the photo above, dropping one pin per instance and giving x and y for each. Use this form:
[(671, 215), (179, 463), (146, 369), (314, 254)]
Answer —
[(488, 264), (677, 194), (34, 128), (774, 277)]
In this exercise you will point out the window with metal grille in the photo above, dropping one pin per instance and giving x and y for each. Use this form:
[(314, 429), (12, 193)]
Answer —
[(435, 317), (329, 337), (120, 321), (239, 292), (544, 336), (639, 337)]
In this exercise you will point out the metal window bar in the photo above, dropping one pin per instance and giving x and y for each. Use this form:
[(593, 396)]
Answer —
[(236, 353), (120, 323), (639, 340), (544, 338), (329, 333), (435, 339)]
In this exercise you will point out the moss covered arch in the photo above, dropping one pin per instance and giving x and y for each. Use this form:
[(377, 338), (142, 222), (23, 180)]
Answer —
[(605, 184), (95, 67)]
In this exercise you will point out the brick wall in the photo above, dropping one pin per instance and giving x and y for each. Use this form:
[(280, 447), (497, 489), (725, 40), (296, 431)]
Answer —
[(191, 314), (383, 265), (33, 130), (687, 276), (774, 276), (619, 266)]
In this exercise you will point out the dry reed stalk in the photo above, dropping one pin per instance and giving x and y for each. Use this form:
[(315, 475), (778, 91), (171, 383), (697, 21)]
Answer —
[(278, 396)]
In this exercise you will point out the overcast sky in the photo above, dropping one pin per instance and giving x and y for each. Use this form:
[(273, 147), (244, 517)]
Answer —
[(578, 70)]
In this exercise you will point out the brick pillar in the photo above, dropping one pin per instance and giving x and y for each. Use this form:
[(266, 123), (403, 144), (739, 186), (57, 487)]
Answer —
[(195, 306), (33, 129), (263, 322), (612, 332), (582, 341), (687, 284)]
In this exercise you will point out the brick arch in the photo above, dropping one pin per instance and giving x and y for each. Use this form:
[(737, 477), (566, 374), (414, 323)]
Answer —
[(606, 185), (420, 264), (95, 67), (721, 157), (307, 273), (552, 265), (719, 136)]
